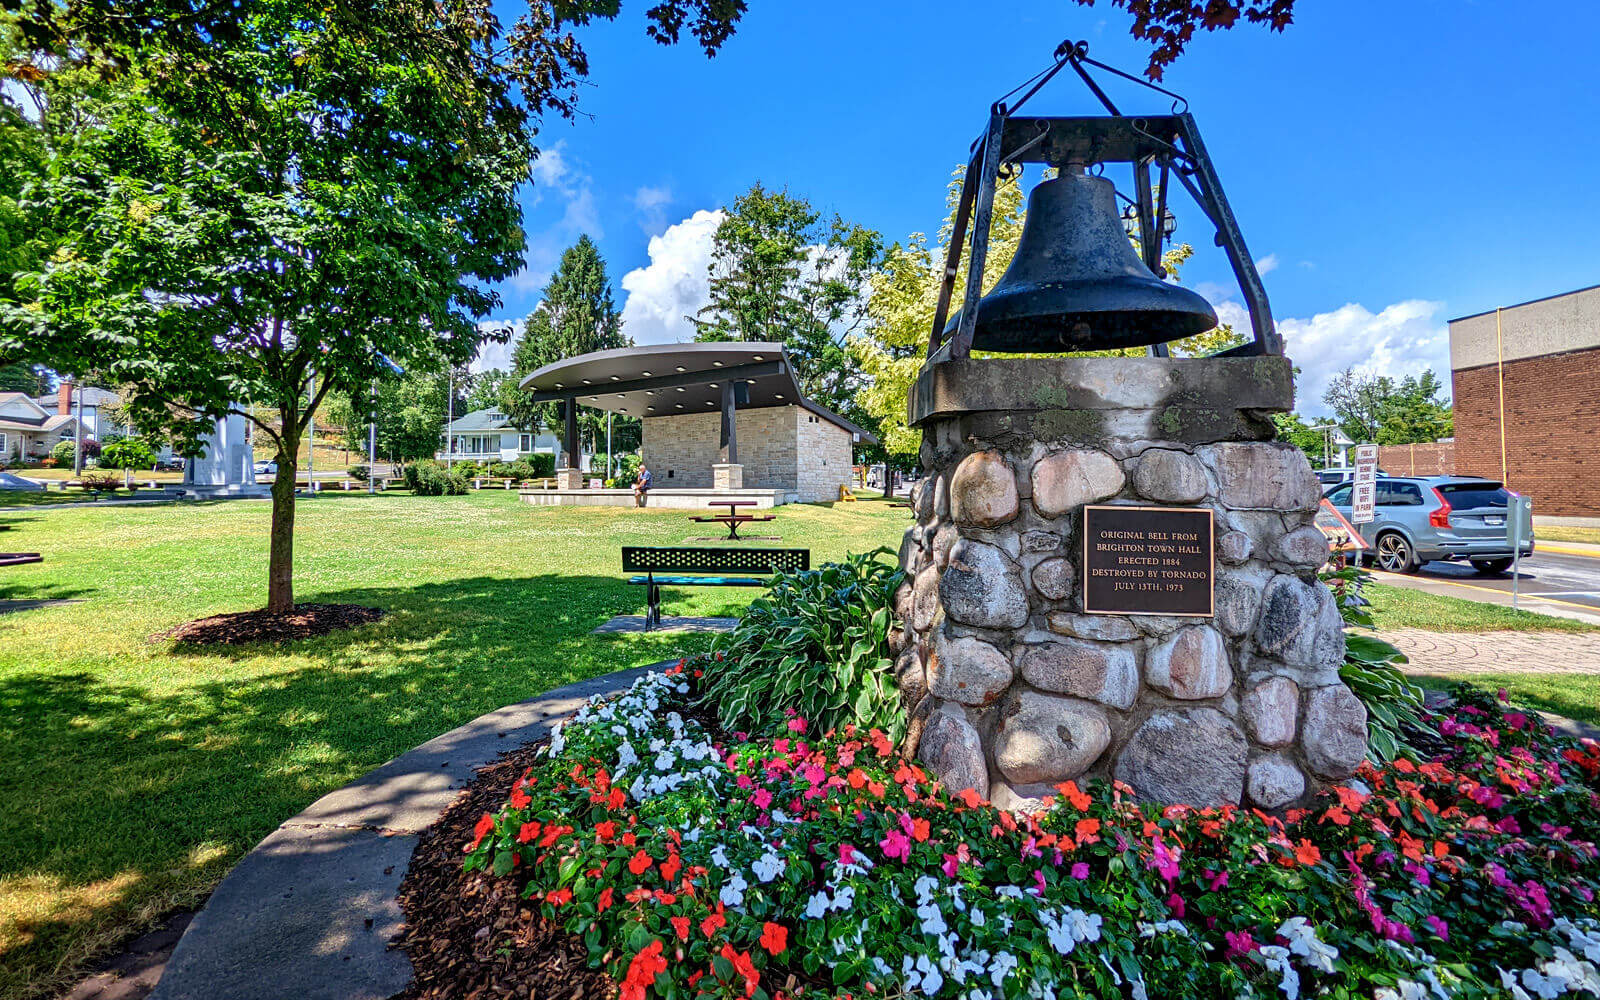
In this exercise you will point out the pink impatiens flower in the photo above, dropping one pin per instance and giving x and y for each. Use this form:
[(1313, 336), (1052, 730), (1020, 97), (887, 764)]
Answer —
[(1080, 870), (896, 845)]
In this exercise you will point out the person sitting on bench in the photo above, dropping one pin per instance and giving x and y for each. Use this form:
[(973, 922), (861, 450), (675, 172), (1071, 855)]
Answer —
[(641, 485)]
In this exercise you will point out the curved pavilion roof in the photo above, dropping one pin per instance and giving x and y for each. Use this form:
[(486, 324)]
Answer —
[(660, 380)]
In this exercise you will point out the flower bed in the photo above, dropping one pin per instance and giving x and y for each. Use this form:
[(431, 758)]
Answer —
[(808, 867)]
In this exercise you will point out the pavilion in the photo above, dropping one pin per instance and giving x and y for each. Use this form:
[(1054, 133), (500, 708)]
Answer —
[(697, 402)]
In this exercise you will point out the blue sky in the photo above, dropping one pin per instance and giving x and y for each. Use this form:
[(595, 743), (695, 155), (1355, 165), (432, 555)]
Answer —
[(1392, 164)]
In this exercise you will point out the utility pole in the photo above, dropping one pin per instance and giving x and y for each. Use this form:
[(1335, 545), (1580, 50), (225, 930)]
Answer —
[(372, 440), (450, 418), (311, 454), (77, 439)]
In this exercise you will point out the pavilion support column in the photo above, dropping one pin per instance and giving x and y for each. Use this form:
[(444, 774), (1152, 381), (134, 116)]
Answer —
[(727, 473), (571, 477)]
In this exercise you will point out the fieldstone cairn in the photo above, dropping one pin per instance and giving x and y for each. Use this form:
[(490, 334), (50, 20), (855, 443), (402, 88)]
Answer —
[(1014, 689)]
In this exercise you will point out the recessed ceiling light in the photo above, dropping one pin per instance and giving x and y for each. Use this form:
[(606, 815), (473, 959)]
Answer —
[(558, 385), (757, 357), (716, 364), (710, 403), (681, 368), (649, 392), (616, 378), (644, 373), (622, 395), (713, 385), (749, 381), (678, 405), (585, 381), (649, 407), (681, 389), (780, 395)]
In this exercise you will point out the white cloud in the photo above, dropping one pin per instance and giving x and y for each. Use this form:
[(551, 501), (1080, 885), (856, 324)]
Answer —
[(673, 285), (492, 354), (651, 203), (554, 173), (1401, 340), (1267, 264)]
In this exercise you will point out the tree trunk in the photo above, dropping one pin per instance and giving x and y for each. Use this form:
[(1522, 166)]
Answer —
[(280, 561), (888, 481)]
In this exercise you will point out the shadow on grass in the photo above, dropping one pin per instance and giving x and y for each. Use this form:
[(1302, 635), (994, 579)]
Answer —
[(154, 791)]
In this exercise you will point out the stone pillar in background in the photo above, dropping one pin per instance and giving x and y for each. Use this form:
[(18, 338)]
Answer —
[(226, 465), (727, 476), (569, 479), (1012, 689)]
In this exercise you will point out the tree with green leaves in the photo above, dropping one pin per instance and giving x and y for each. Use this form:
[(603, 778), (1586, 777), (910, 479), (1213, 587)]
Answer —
[(278, 192), (1293, 428), (782, 273), (483, 390), (577, 315), (1379, 409)]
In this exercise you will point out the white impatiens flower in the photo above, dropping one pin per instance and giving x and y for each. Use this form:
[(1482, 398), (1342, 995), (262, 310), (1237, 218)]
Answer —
[(921, 974), (732, 894), (1583, 936), (558, 741), (1303, 941), (1085, 927), (1001, 966), (1276, 959), (768, 867), (817, 906), (932, 920), (844, 898)]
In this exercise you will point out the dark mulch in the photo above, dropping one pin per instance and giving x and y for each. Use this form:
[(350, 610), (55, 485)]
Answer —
[(306, 621), (473, 936)]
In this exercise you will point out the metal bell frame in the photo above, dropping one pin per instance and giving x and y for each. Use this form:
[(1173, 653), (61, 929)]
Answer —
[(1170, 142)]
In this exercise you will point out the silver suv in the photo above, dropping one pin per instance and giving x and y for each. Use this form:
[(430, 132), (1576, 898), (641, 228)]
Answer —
[(1423, 518)]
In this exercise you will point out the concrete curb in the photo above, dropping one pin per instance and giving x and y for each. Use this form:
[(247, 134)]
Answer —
[(310, 911)]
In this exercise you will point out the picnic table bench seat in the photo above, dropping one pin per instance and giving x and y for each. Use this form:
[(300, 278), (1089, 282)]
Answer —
[(678, 566), (19, 558)]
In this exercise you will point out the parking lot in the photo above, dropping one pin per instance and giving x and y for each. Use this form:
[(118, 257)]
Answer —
[(1552, 583)]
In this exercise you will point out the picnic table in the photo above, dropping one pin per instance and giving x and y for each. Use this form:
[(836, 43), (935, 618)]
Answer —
[(733, 518)]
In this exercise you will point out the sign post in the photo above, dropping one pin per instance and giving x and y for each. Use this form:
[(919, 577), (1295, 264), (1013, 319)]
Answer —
[(1519, 528), (1363, 492)]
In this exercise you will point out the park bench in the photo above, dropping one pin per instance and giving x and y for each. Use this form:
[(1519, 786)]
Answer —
[(669, 566), (19, 558)]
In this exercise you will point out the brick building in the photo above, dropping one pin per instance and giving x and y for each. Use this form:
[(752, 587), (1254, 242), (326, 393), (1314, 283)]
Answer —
[(805, 452), (1526, 409)]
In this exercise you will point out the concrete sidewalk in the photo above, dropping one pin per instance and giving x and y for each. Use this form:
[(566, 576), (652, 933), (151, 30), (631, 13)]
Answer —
[(1566, 548), (1451, 653)]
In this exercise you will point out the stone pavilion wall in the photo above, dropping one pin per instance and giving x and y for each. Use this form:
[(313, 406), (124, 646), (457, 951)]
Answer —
[(1012, 689)]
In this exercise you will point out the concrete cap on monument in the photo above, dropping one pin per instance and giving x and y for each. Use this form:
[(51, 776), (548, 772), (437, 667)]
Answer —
[(1063, 481), (1192, 756), (1045, 738), (982, 587), (983, 492), (1334, 734)]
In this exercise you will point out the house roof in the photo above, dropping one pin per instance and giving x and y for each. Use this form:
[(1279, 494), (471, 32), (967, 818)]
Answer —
[(45, 425), (92, 397), (482, 420), (662, 380)]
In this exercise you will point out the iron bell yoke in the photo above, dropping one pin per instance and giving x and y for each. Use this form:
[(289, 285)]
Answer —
[(1076, 282)]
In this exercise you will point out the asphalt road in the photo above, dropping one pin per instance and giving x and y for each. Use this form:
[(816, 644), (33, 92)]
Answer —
[(1549, 578)]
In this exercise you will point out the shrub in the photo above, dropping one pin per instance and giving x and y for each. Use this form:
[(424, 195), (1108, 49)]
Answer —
[(543, 465), (1372, 673), (829, 867), (470, 468), (99, 483), (47, 463), (127, 453), (816, 642), (64, 452), (357, 472), (432, 479)]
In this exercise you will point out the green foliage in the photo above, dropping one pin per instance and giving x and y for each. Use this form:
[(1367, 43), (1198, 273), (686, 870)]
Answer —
[(1293, 429), (577, 315), (816, 642), (432, 479), (127, 453), (358, 472), (781, 273), (1378, 409), (1371, 670), (64, 452)]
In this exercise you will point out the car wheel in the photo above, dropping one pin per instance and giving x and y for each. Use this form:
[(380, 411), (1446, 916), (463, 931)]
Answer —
[(1491, 567), (1394, 554)]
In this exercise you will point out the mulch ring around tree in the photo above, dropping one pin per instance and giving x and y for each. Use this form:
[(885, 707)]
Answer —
[(304, 622), (473, 936)]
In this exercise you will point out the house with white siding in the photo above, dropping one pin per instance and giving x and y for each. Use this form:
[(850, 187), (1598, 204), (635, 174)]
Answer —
[(490, 436), (28, 430)]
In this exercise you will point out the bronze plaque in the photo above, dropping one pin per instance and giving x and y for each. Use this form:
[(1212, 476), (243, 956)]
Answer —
[(1148, 561)]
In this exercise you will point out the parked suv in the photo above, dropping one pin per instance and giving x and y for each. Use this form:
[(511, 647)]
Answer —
[(1423, 518), (1340, 474)]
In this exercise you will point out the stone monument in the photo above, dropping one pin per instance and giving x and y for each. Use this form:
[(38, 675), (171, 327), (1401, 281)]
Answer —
[(225, 466), (1113, 570)]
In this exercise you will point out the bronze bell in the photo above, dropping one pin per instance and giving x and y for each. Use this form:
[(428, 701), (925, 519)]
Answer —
[(1076, 283)]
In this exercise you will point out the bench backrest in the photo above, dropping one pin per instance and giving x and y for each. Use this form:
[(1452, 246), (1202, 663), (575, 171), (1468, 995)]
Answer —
[(664, 559)]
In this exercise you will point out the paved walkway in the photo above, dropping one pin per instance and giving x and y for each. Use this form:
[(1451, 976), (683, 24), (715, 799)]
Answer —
[(686, 623), (309, 913), (1498, 652)]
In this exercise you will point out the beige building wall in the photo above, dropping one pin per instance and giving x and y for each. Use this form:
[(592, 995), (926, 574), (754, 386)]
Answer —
[(1568, 322), (781, 448)]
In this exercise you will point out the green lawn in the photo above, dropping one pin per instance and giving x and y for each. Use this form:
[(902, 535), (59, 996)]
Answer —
[(1574, 695), (1400, 607), (133, 774)]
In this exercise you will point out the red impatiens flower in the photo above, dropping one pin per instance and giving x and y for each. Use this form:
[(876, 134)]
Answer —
[(670, 868), (743, 966), (642, 971), (605, 831), (640, 861), (604, 903), (774, 938), (527, 831), (560, 897), (480, 831), (681, 926), (714, 922)]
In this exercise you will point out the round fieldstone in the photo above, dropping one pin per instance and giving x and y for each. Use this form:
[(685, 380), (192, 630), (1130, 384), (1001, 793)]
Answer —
[(1102, 672), (922, 500), (941, 496), (1066, 480), (1334, 734), (1273, 781), (1191, 664), (982, 586), (1045, 738), (1304, 546), (1003, 796), (1040, 541), (1193, 756), (967, 670), (912, 557), (925, 599), (903, 596), (1238, 601), (1053, 579), (1300, 624), (1103, 628), (950, 746), (983, 492), (1270, 711), (1234, 547), (943, 539), (1168, 476), (909, 676), (1262, 475)]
